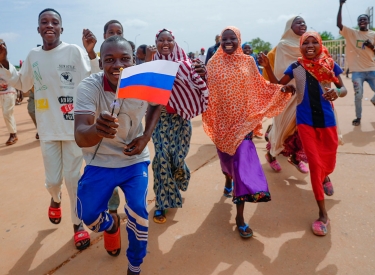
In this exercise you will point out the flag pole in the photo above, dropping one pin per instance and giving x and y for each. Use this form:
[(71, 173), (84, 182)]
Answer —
[(113, 109)]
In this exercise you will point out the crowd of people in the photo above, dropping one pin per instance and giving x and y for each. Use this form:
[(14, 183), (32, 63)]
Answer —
[(73, 91)]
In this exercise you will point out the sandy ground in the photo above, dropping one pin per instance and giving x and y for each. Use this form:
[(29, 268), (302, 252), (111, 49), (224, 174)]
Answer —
[(201, 238)]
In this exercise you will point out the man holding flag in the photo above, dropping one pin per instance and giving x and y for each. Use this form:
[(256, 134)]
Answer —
[(115, 146)]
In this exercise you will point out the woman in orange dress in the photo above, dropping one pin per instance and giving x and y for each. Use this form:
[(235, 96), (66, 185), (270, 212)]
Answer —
[(239, 99)]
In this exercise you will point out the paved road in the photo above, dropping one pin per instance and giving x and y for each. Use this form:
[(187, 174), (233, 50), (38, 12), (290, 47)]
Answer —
[(201, 238)]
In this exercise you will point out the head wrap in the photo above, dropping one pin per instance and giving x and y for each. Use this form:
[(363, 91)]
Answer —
[(239, 98), (189, 95), (321, 67)]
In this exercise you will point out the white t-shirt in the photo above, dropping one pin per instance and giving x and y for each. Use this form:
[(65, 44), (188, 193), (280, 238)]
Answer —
[(55, 75), (92, 99), (359, 58), (202, 57), (4, 87)]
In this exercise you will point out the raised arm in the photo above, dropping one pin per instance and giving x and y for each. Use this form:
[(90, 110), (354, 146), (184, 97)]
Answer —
[(339, 15), (264, 61)]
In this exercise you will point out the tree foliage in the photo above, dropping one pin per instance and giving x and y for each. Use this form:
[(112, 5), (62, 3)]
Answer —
[(258, 45), (327, 36)]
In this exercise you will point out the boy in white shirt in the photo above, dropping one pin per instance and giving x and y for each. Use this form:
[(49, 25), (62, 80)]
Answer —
[(55, 70)]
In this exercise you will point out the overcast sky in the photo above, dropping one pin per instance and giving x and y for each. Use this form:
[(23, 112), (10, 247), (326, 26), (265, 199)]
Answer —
[(194, 23)]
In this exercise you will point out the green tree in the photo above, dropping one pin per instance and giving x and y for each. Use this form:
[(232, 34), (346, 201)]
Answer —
[(326, 36), (259, 45)]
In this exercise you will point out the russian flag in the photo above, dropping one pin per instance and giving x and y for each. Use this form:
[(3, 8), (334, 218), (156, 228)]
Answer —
[(150, 81)]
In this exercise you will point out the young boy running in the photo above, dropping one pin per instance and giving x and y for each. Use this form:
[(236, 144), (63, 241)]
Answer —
[(55, 70), (122, 158)]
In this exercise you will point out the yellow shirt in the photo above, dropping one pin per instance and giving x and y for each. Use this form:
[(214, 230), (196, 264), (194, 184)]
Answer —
[(359, 58)]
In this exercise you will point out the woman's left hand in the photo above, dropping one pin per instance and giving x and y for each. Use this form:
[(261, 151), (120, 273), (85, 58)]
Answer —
[(199, 67), (330, 94)]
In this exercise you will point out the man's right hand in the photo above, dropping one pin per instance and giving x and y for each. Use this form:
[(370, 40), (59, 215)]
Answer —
[(106, 125), (342, 2)]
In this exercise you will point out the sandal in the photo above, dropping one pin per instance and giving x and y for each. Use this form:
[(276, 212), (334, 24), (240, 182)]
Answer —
[(82, 237), (227, 191), (243, 228), (319, 228), (159, 216), (112, 242), (300, 166), (328, 187), (356, 122), (54, 215), (273, 164)]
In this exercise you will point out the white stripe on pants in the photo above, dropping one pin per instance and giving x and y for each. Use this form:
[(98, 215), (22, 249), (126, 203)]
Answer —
[(7, 102), (62, 159)]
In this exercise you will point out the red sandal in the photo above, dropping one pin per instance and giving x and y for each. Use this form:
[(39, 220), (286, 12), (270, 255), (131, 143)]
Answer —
[(81, 236), (54, 214), (112, 242)]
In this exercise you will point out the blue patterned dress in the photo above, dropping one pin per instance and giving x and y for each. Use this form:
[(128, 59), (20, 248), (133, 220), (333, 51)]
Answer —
[(171, 139)]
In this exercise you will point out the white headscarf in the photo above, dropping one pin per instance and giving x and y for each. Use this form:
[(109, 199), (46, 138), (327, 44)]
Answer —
[(287, 51)]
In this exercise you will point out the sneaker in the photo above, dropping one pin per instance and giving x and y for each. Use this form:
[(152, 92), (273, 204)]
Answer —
[(275, 165)]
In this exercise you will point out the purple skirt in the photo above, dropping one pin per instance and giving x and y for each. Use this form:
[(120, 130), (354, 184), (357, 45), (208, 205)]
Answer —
[(250, 183)]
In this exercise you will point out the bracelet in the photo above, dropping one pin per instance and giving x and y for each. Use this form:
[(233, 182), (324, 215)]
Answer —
[(338, 91)]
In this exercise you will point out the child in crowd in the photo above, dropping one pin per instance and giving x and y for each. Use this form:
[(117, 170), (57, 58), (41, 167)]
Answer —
[(314, 72)]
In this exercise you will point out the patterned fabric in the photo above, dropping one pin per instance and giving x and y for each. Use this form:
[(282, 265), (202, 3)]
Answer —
[(239, 98), (189, 97), (171, 139), (321, 67), (292, 146)]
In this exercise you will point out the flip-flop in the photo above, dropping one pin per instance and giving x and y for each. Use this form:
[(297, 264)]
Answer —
[(159, 216), (228, 190), (328, 187), (319, 228), (112, 242), (243, 228)]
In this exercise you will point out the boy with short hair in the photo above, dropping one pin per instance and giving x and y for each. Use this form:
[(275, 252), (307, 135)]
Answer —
[(122, 157), (55, 70)]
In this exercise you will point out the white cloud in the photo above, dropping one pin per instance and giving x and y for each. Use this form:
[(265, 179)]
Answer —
[(9, 36), (136, 23)]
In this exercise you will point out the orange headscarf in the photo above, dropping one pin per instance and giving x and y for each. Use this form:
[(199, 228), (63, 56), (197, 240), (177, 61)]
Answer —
[(239, 98), (321, 67)]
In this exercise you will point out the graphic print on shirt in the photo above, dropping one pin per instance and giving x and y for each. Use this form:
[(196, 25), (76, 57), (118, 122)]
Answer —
[(67, 82), (66, 76), (41, 104), (67, 106)]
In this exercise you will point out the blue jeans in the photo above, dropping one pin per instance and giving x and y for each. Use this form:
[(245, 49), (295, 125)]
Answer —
[(358, 79)]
